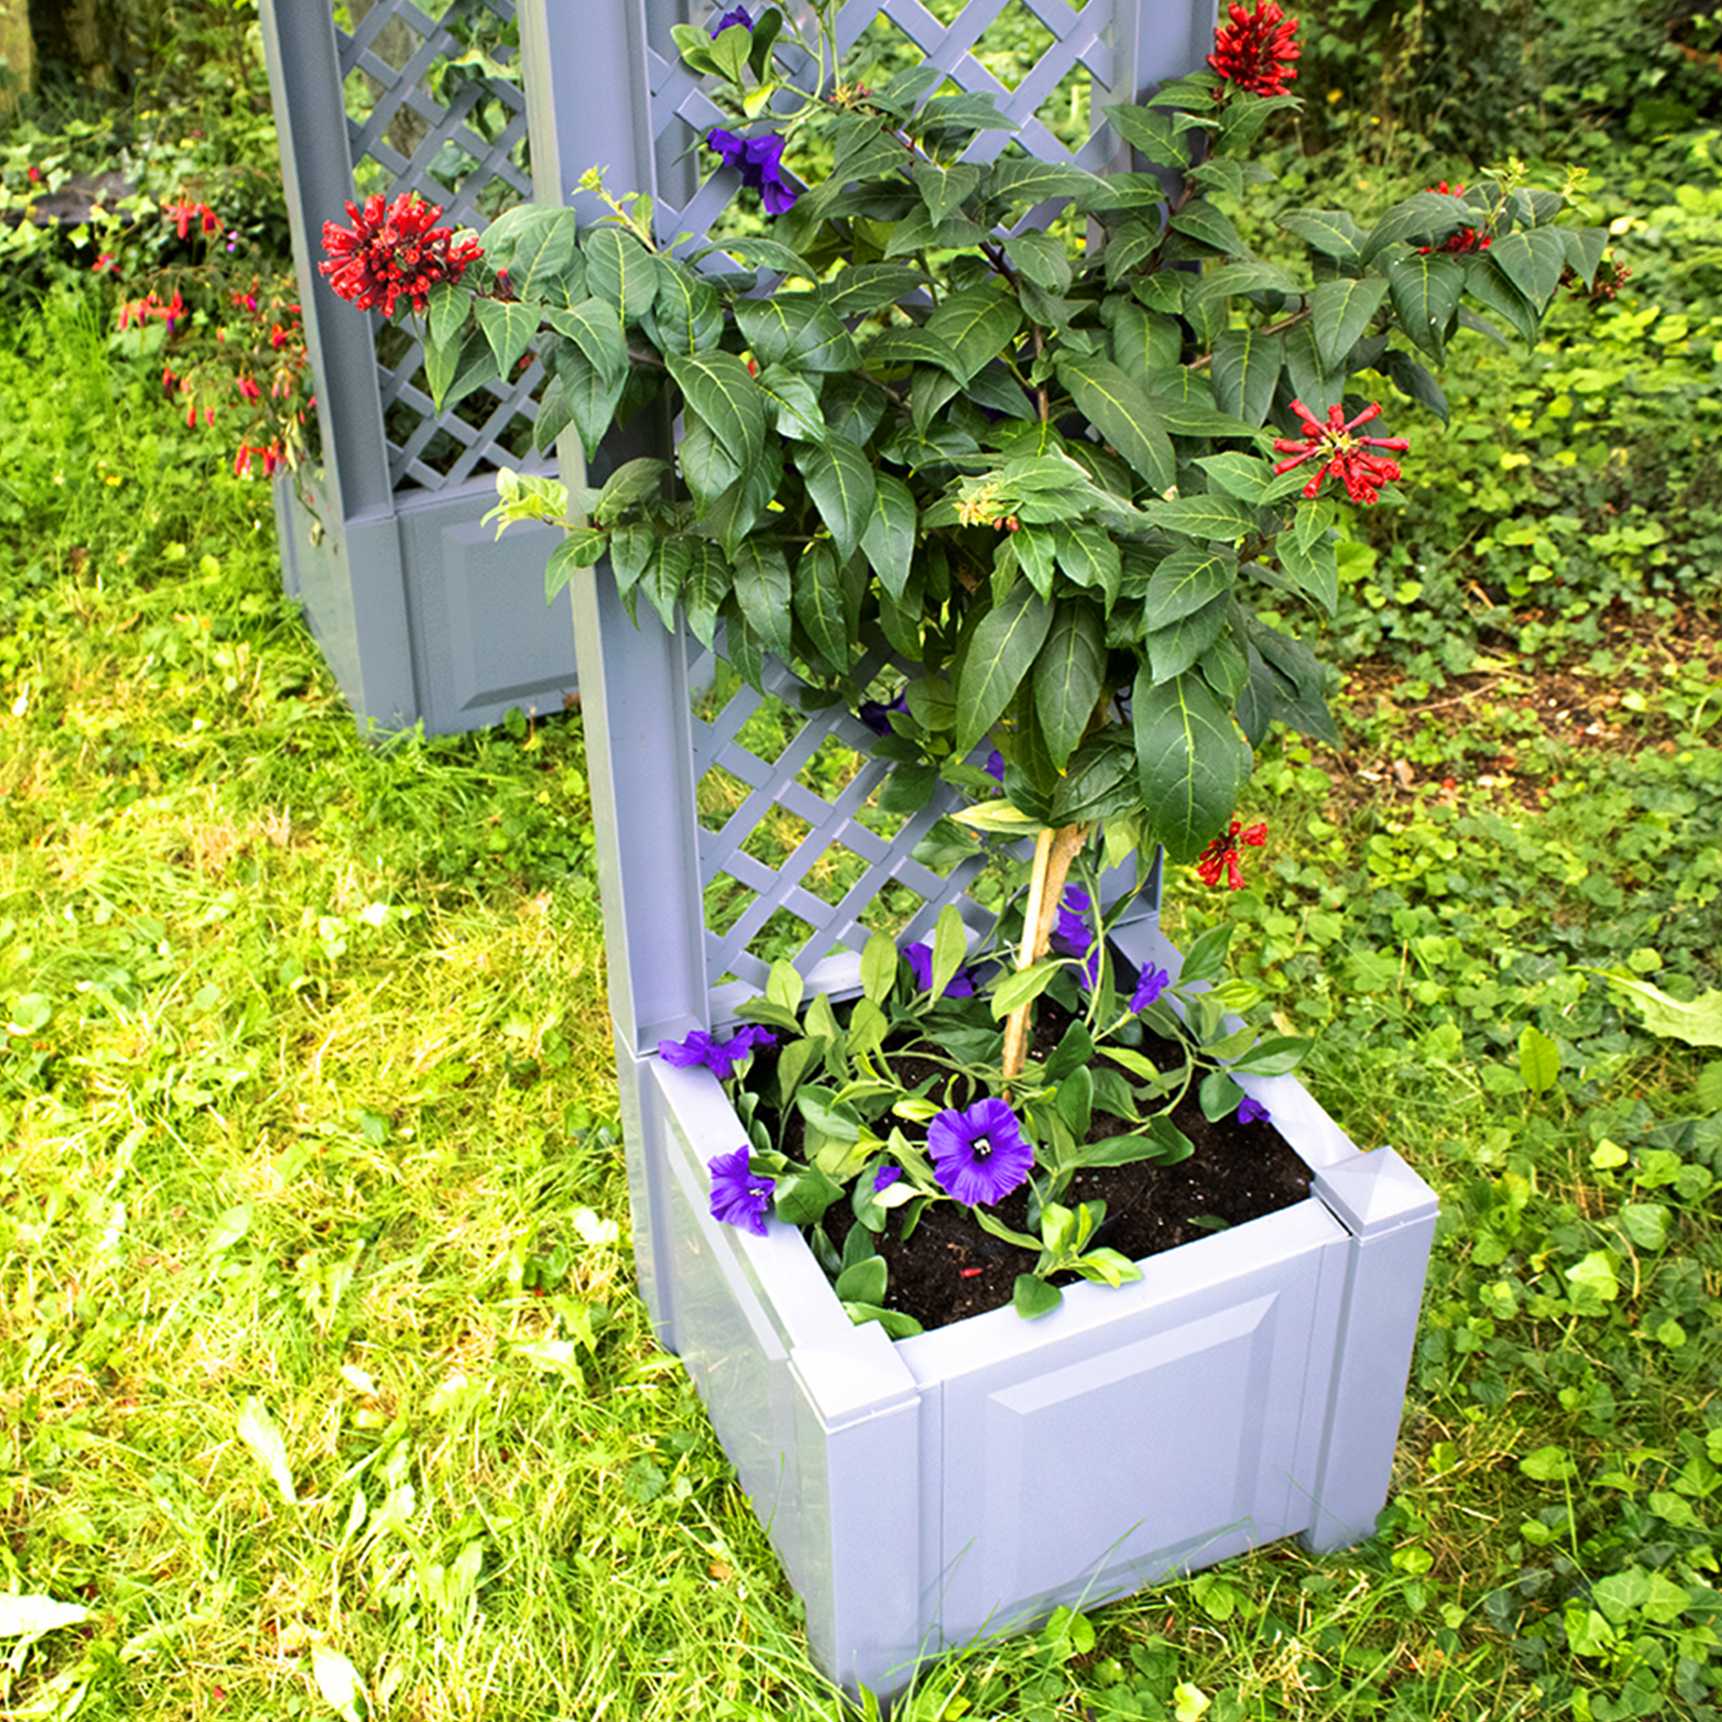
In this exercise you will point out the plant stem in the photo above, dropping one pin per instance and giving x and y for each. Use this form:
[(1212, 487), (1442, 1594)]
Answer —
[(1289, 322), (1054, 851)]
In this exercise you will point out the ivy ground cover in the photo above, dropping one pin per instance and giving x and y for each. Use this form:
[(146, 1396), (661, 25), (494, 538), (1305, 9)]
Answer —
[(320, 1368)]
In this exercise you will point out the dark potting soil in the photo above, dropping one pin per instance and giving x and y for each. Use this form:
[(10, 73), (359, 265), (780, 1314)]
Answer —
[(949, 1268)]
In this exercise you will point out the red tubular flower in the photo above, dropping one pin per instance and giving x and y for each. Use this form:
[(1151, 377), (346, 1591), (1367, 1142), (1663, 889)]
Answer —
[(1220, 859), (1344, 455), (1466, 239), (248, 389), (393, 252), (1258, 51)]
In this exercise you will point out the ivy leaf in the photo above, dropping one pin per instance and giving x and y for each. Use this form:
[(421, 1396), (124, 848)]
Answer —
[(1185, 582), (763, 592), (888, 540), (1190, 759), (1119, 408), (1068, 676), (819, 605), (839, 478), (1340, 311), (1426, 293), (1246, 370), (1005, 643), (719, 389)]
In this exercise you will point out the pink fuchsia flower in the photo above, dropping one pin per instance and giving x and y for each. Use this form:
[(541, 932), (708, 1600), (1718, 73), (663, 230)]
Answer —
[(1220, 860), (1257, 51), (393, 251), (739, 1195), (980, 1154), (759, 161), (1342, 452)]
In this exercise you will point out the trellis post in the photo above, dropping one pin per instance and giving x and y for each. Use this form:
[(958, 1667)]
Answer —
[(422, 615)]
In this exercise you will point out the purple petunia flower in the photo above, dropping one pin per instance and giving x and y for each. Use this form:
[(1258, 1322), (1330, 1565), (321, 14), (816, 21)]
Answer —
[(1252, 1111), (1150, 983), (740, 1196), (994, 766), (1073, 933), (885, 1177), (735, 15), (759, 161), (920, 958), (877, 716), (979, 1155), (720, 1057)]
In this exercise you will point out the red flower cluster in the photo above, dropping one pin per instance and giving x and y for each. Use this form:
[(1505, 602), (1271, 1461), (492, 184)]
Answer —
[(393, 252), (1220, 859), (268, 455), (1258, 51), (1610, 278), (182, 212), (1466, 239), (1344, 455)]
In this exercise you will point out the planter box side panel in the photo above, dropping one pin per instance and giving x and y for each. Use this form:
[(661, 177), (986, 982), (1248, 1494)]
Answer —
[(1165, 1441), (484, 637), (314, 573)]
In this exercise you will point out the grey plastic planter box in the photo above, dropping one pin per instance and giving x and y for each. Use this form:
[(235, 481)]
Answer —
[(421, 614), (925, 1492), (931, 1491)]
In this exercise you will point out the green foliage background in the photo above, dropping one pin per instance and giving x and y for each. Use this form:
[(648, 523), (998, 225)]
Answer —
[(305, 1095)]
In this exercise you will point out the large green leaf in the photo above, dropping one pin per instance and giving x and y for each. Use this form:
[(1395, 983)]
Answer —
[(1143, 341), (819, 605), (1333, 232), (1068, 676), (1041, 258), (867, 287), (592, 397), (535, 244), (1019, 182), (1119, 408), (839, 478), (976, 325), (910, 346), (706, 586), (1180, 644), (1426, 288), (794, 402), (1203, 221), (1246, 369), (1187, 581), (762, 590), (1494, 292), (1532, 260), (509, 329), (1090, 557), (796, 329), (1152, 131), (719, 389), (1220, 519), (1005, 643), (1191, 761), (944, 189), (688, 312), (592, 327), (1341, 310), (889, 537), (1427, 216), (621, 271), (1696, 1021)]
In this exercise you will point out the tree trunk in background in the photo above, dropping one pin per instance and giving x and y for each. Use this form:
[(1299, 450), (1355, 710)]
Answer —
[(85, 38), (17, 53)]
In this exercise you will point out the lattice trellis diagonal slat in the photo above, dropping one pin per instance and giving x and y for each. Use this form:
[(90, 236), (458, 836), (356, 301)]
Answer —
[(830, 824), (401, 129)]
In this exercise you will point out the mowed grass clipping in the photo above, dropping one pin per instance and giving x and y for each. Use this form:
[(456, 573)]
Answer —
[(323, 1385)]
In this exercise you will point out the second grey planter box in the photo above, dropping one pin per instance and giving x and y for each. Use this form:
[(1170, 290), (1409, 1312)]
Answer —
[(967, 1481)]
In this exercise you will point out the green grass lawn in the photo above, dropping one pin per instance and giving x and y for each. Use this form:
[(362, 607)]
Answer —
[(317, 1332)]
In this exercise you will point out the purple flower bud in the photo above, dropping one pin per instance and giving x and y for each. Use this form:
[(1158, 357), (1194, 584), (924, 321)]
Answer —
[(1251, 1111), (735, 15)]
